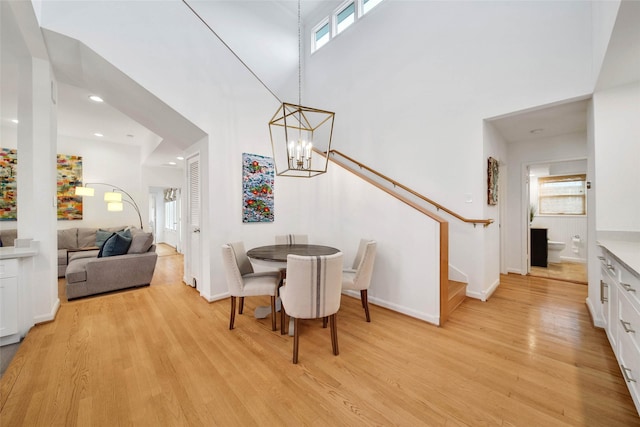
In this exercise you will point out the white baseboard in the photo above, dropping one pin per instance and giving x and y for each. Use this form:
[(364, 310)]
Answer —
[(212, 298), (515, 271), (571, 259), (398, 308), (597, 320), (49, 316)]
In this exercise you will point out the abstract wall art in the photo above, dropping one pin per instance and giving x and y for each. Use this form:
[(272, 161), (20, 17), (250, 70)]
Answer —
[(8, 184), (492, 177), (69, 176), (257, 188)]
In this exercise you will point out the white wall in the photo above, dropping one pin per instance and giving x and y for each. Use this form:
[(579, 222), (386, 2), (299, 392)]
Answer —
[(117, 164), (520, 154), (412, 82), (617, 151)]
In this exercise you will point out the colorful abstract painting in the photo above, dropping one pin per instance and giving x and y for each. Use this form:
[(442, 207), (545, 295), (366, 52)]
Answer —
[(69, 176), (492, 184), (8, 184), (257, 188)]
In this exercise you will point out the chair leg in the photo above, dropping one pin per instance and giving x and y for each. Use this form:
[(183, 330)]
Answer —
[(334, 333), (296, 334), (273, 313), (324, 321), (365, 303), (232, 317), (283, 321), (241, 309)]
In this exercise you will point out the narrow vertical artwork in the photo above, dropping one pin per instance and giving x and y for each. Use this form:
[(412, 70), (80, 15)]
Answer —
[(8, 184), (492, 177), (69, 176), (257, 188)]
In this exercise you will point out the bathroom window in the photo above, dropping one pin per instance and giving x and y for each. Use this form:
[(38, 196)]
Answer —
[(562, 195)]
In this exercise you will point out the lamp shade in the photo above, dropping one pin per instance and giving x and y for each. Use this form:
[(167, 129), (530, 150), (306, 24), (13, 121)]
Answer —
[(112, 196), (85, 191), (115, 206)]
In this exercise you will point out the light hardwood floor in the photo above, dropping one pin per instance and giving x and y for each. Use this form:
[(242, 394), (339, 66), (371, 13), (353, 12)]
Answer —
[(163, 356), (568, 271)]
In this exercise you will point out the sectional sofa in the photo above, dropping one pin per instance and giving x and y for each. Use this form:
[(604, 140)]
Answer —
[(89, 270)]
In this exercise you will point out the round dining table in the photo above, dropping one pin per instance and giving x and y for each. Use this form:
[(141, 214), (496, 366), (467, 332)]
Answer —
[(275, 256)]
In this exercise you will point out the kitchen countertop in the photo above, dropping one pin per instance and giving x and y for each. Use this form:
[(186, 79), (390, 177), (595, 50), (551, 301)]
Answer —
[(626, 251), (10, 252)]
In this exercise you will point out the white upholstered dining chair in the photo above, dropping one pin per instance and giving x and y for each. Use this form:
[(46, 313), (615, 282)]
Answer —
[(313, 291), (292, 239), (358, 277), (244, 282)]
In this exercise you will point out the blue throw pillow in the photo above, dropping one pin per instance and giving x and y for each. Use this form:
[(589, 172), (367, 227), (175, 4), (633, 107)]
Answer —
[(102, 236), (117, 244)]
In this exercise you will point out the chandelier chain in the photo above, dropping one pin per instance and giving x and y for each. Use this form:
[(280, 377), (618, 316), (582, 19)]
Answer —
[(299, 58), (232, 51)]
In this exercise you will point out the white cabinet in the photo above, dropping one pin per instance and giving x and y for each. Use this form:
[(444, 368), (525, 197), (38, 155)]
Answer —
[(8, 297), (619, 294)]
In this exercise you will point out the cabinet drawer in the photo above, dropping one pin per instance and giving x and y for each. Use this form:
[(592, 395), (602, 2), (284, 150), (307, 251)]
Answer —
[(629, 361), (629, 320), (8, 268), (631, 284), (8, 306)]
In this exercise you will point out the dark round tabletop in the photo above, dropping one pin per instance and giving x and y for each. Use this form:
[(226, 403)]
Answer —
[(279, 252)]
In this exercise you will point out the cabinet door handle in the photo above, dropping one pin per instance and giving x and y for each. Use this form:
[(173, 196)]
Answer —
[(627, 287), (603, 285), (627, 328), (626, 376), (601, 258), (611, 267)]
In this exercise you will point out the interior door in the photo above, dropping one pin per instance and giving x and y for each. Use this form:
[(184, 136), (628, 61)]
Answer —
[(194, 252)]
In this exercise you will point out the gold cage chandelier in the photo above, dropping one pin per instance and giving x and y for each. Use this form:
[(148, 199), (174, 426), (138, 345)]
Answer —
[(297, 132), (300, 136)]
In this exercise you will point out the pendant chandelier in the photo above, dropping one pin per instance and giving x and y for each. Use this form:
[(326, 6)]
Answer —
[(301, 136)]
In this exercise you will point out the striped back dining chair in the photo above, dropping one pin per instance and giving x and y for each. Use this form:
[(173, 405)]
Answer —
[(292, 239), (313, 291), (358, 277), (244, 282)]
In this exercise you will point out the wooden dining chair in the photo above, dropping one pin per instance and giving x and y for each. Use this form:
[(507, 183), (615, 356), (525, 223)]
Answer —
[(358, 277), (313, 291), (244, 282), (292, 239)]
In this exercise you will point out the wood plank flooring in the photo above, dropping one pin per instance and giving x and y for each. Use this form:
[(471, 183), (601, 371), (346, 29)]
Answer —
[(162, 356)]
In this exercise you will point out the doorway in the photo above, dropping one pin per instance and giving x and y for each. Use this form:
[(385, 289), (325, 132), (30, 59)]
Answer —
[(557, 210)]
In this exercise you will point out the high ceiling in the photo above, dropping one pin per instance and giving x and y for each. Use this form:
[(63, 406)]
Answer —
[(120, 123)]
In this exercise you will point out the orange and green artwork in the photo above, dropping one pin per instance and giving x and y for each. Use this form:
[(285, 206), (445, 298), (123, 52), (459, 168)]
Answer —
[(8, 184), (257, 188), (69, 176)]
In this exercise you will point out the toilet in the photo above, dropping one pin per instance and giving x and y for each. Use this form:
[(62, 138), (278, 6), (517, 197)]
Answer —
[(553, 251)]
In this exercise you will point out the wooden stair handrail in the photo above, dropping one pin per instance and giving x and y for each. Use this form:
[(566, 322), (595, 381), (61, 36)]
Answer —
[(438, 206)]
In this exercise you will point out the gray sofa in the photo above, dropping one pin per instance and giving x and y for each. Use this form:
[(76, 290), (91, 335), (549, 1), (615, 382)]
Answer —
[(86, 274)]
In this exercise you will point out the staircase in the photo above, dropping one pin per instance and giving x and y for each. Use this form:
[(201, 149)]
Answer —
[(457, 294)]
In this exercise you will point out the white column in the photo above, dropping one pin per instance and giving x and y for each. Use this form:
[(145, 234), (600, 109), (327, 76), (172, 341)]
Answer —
[(36, 194)]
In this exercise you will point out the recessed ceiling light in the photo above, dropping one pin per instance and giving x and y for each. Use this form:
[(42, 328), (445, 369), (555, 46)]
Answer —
[(534, 131), (172, 163), (98, 134), (16, 121), (180, 158), (95, 98)]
